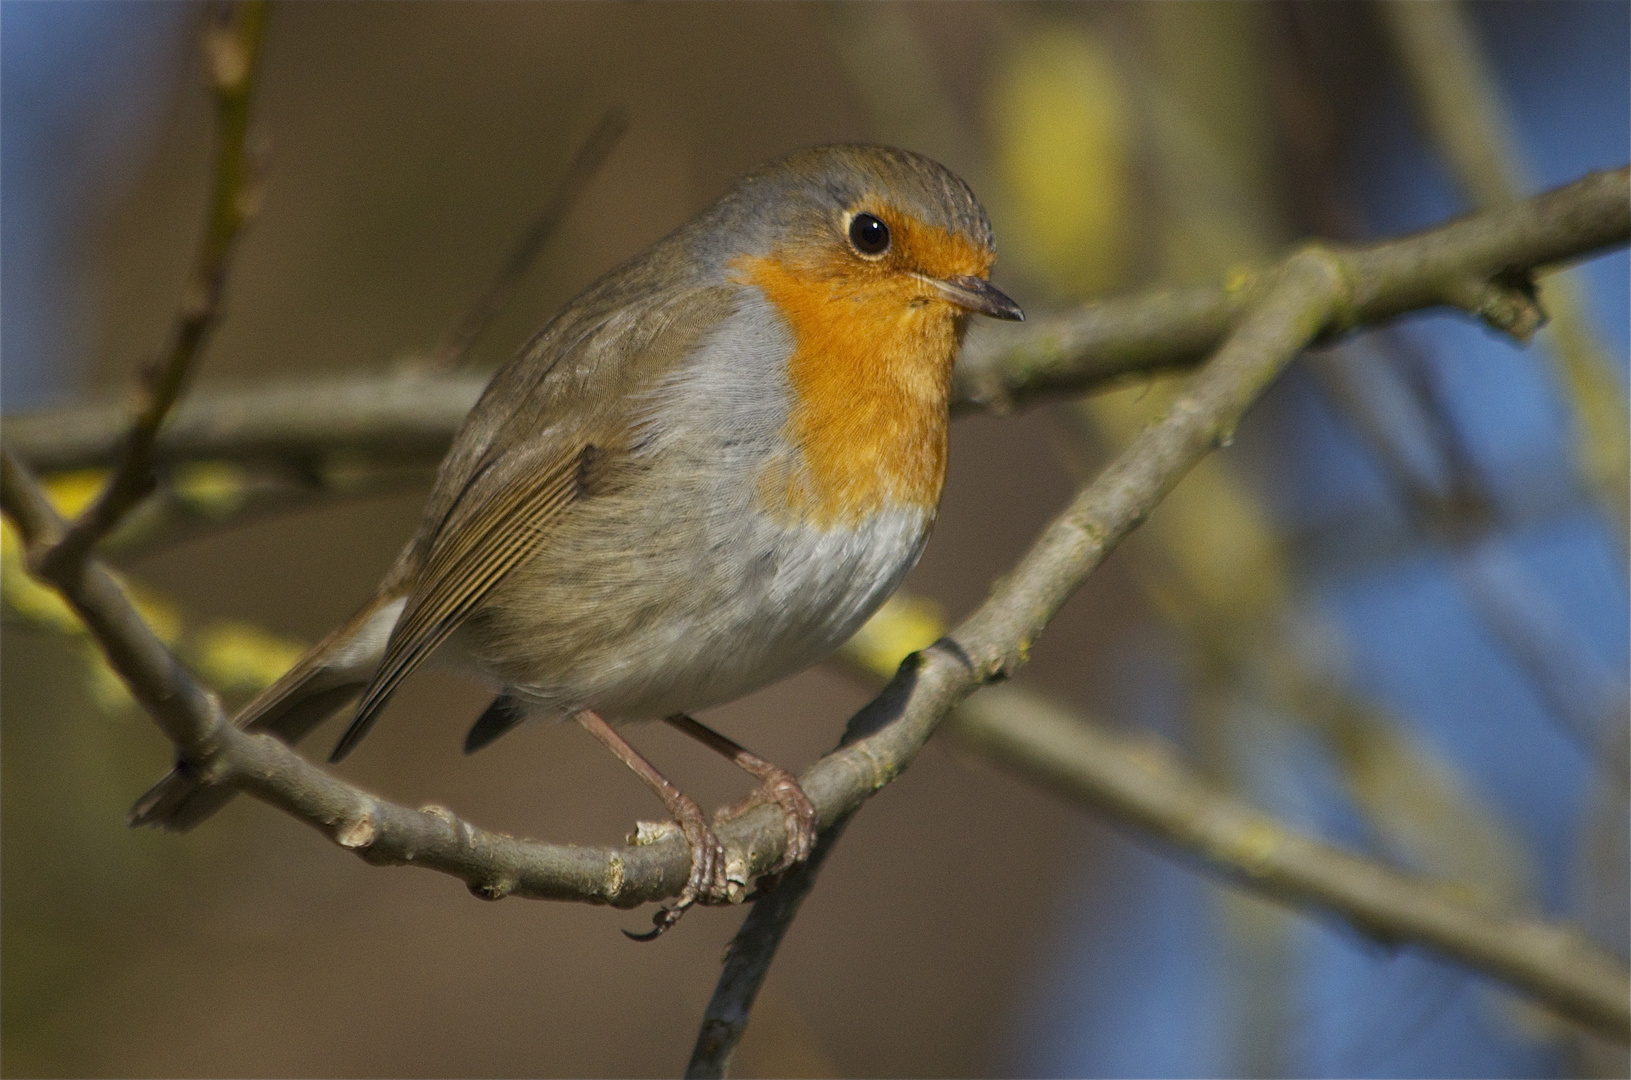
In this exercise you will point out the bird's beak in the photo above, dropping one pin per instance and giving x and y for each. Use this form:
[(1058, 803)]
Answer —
[(977, 295)]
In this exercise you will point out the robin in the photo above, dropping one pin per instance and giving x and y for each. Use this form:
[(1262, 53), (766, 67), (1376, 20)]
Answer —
[(702, 476)]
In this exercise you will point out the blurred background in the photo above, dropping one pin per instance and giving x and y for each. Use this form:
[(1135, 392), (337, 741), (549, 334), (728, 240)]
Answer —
[(1394, 613)]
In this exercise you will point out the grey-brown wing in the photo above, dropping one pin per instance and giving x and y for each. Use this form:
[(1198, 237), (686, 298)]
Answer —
[(473, 550), (522, 458)]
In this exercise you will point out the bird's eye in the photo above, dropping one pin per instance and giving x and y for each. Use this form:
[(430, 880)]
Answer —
[(869, 235)]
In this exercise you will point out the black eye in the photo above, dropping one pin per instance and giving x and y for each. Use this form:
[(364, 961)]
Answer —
[(869, 235)]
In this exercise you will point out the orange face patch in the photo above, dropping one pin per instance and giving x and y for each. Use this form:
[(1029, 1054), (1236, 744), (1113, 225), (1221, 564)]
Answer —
[(870, 371)]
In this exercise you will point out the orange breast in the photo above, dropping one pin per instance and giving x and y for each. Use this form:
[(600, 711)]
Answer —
[(870, 375)]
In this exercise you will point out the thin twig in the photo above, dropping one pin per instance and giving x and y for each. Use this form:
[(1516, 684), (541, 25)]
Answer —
[(231, 46), (1457, 98), (1447, 499), (1463, 518), (1317, 291), (455, 347)]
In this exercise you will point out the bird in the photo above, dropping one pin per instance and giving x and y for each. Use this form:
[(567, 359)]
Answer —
[(702, 476)]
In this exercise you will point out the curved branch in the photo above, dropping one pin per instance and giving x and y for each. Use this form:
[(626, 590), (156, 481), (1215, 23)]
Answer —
[(882, 740)]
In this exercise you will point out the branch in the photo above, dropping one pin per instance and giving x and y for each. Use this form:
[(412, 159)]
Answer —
[(413, 416), (398, 417), (1137, 785), (1071, 352), (231, 46), (189, 715), (1315, 293)]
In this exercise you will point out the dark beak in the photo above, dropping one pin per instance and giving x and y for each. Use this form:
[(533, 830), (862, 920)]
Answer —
[(979, 296)]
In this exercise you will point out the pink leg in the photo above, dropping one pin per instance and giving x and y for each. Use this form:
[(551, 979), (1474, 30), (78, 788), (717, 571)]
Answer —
[(777, 785), (707, 880)]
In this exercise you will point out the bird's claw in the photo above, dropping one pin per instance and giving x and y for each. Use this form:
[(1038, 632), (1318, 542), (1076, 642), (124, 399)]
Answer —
[(799, 815), (707, 883)]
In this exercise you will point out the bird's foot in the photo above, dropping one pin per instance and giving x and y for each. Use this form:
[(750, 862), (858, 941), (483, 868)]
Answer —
[(799, 814), (707, 883)]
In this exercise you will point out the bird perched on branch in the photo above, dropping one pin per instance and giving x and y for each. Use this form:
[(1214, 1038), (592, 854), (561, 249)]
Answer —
[(701, 477)]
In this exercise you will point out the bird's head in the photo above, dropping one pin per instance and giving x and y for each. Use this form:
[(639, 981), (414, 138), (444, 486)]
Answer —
[(868, 231)]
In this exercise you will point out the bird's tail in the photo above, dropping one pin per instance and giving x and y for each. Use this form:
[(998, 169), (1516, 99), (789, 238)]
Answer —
[(334, 671)]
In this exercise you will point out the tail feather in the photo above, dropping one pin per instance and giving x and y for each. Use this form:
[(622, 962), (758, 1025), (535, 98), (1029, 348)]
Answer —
[(331, 674), (503, 714)]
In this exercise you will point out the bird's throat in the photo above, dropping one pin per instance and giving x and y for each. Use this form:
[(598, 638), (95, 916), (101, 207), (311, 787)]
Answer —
[(869, 377)]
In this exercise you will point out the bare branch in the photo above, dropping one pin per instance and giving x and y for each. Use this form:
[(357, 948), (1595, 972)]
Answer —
[(187, 713), (727, 1012), (395, 417), (747, 961), (884, 737), (231, 46), (1138, 785)]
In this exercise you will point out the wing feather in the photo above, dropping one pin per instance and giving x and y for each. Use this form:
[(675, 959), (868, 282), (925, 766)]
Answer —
[(571, 398), (471, 554)]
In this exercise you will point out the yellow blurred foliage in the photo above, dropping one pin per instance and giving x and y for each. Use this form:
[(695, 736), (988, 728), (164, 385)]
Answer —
[(231, 656), (72, 492), (213, 488), (237, 656), (901, 627), (27, 598), (1062, 141)]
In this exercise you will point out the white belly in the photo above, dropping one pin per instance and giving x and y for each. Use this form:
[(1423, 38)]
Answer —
[(800, 593)]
